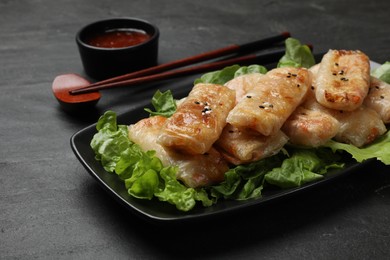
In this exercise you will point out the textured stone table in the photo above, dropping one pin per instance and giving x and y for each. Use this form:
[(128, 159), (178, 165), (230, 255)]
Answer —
[(50, 208)]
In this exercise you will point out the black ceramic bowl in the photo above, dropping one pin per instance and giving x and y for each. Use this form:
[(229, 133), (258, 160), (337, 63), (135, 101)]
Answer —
[(106, 62)]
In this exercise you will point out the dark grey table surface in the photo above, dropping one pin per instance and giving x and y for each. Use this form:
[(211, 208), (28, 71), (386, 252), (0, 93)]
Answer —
[(51, 208)]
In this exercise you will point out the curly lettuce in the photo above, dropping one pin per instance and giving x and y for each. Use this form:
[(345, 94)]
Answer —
[(383, 72), (163, 103), (297, 55), (222, 76), (379, 149), (143, 174)]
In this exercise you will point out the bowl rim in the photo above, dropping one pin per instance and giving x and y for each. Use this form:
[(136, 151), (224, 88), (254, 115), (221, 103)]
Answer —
[(153, 37)]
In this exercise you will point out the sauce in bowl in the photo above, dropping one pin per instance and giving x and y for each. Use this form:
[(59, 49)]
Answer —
[(118, 38)]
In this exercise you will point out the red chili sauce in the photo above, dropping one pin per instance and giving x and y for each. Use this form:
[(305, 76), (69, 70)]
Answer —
[(118, 38)]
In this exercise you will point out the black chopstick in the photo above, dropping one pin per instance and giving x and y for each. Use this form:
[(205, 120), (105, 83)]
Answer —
[(232, 49), (267, 58)]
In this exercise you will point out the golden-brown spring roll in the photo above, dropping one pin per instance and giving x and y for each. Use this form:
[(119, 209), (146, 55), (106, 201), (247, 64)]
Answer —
[(194, 170), (199, 119), (342, 79), (239, 147), (266, 107), (359, 127), (244, 83), (310, 128), (378, 98)]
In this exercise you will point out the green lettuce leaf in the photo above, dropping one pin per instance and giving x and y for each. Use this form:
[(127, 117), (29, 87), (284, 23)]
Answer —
[(219, 76), (285, 170), (175, 193), (302, 167), (297, 55), (249, 70), (144, 186), (226, 188), (110, 142), (163, 103), (142, 179), (383, 72), (143, 174), (222, 76), (245, 181), (379, 149)]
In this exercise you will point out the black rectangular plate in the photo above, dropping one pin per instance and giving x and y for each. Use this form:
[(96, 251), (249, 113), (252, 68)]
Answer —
[(163, 212)]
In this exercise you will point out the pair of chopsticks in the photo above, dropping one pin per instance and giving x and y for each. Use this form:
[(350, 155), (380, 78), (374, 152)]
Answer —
[(161, 72)]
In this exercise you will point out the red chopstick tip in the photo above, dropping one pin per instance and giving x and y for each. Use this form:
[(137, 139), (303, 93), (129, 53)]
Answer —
[(286, 34)]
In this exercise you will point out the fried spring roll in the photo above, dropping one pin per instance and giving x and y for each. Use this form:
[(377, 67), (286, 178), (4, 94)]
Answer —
[(359, 127), (310, 128), (244, 83), (343, 79), (199, 119), (194, 170), (378, 98), (240, 147), (266, 107)]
